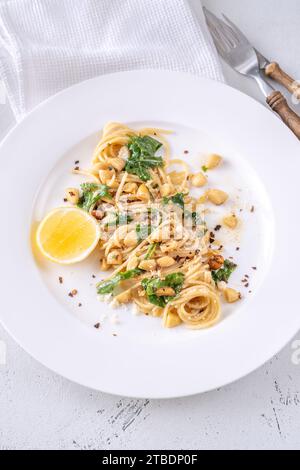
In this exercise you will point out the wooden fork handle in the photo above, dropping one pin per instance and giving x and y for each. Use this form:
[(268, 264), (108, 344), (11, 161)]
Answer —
[(280, 105), (275, 72)]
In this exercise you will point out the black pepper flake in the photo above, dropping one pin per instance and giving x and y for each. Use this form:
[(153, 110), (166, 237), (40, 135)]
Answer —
[(60, 280), (211, 237), (65, 199), (93, 276), (246, 275), (114, 334), (247, 285), (77, 162), (254, 268), (80, 305), (97, 326), (252, 209), (76, 168), (73, 293), (186, 152), (237, 248), (217, 228)]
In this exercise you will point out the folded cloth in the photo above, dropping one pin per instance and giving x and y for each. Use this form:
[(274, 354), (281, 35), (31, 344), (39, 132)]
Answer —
[(48, 45)]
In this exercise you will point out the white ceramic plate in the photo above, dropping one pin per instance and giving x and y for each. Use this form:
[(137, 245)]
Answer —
[(145, 360)]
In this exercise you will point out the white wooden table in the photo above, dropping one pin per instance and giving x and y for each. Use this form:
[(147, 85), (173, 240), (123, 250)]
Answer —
[(40, 410)]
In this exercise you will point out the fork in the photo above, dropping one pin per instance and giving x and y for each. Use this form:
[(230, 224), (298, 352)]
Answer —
[(236, 51)]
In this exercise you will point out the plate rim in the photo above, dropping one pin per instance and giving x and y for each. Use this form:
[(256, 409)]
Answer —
[(53, 98)]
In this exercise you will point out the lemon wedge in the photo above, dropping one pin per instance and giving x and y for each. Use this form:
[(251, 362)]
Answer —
[(67, 235)]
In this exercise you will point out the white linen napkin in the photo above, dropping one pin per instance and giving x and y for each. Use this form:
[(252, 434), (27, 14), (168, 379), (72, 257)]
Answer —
[(48, 45)]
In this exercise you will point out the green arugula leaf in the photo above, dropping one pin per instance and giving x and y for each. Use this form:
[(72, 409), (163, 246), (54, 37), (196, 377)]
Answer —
[(197, 219), (119, 219), (195, 216), (107, 287), (151, 251), (142, 231), (91, 193), (86, 187), (145, 145), (224, 273), (124, 219), (177, 199), (174, 280), (204, 169), (142, 156)]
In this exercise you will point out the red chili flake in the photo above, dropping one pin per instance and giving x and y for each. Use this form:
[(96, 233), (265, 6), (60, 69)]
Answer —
[(71, 193), (97, 326), (60, 280)]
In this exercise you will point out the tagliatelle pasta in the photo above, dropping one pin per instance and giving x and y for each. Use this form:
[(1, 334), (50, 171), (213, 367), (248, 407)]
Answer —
[(154, 237)]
